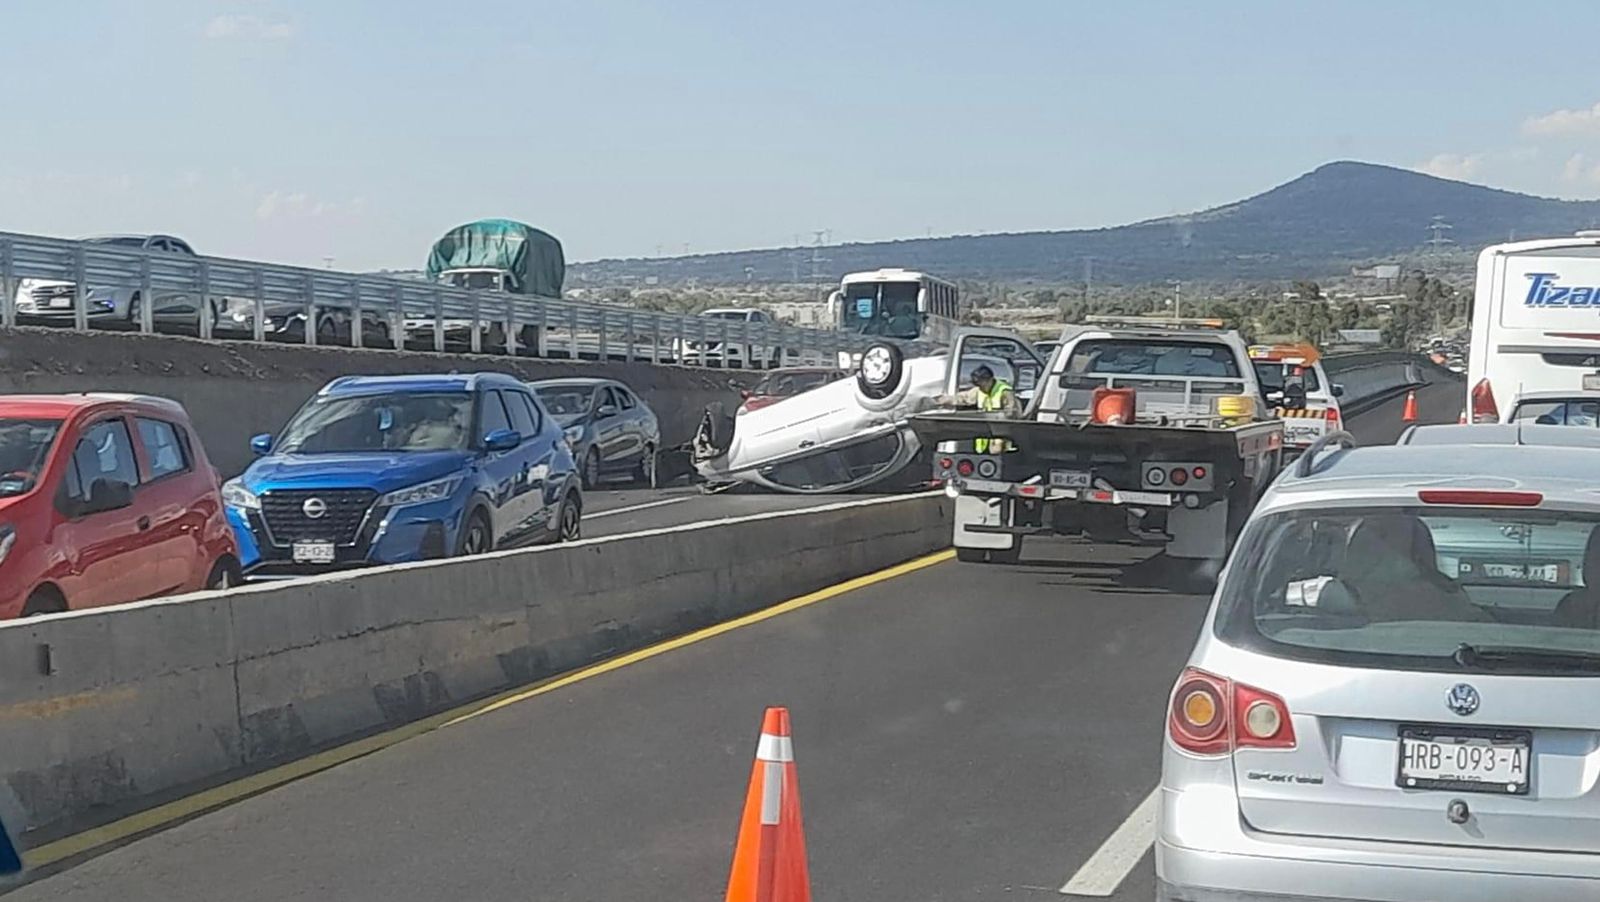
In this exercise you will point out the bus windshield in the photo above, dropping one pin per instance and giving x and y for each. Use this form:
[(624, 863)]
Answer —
[(888, 309)]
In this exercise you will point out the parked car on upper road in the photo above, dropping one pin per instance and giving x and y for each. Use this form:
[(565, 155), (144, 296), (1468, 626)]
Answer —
[(612, 431), (733, 352), (105, 498), (385, 469), (1393, 696), (49, 301)]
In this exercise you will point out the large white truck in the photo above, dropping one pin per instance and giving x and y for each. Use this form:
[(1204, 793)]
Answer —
[(1141, 431), (1535, 326)]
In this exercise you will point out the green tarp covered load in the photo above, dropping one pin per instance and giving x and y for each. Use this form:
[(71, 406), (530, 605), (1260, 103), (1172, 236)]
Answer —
[(531, 258)]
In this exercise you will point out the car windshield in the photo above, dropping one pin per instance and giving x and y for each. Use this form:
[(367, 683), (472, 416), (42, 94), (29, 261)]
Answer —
[(1571, 412), (888, 309), (567, 404), (133, 241), (725, 314), (396, 421), (1272, 373), (1409, 586), (1146, 358), (24, 447), (480, 280)]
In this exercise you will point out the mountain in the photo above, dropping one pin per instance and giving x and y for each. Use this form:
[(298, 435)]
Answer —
[(1319, 224)]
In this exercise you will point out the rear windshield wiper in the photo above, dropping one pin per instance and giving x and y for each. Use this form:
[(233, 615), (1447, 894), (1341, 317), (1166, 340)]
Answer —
[(1469, 655)]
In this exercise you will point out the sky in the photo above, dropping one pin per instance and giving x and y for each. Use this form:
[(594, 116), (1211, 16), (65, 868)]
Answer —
[(296, 131)]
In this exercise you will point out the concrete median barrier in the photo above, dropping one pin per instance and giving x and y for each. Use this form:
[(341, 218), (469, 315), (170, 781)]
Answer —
[(104, 712), (237, 389)]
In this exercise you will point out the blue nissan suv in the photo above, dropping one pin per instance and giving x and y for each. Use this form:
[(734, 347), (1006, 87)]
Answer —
[(385, 469)]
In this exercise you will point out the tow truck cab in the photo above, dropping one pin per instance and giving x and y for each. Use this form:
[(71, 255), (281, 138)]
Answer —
[(1141, 431)]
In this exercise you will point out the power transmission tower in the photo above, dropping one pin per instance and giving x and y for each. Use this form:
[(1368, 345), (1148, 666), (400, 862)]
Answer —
[(819, 239), (1439, 239)]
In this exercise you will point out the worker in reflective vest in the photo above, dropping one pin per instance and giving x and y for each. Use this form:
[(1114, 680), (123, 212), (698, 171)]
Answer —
[(990, 395)]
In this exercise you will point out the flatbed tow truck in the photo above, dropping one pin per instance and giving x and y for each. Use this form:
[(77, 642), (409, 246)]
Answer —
[(1141, 431)]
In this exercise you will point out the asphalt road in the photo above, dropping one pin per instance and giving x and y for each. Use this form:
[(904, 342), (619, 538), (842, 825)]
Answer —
[(962, 732), (614, 510)]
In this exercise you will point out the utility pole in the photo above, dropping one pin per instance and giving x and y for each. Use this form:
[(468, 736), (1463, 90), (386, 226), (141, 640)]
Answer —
[(1088, 280)]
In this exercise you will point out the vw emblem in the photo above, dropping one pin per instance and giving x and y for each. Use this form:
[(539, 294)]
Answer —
[(1462, 699), (316, 508)]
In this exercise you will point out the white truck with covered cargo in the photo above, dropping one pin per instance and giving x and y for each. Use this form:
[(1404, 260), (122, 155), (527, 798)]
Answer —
[(1148, 432)]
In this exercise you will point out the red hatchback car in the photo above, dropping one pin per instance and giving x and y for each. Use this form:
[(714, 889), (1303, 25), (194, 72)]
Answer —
[(105, 498)]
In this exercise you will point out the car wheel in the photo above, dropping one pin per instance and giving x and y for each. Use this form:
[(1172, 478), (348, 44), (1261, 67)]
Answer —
[(880, 370), (647, 467), (591, 468), (44, 600), (971, 555), (476, 538), (327, 331), (224, 575), (571, 525)]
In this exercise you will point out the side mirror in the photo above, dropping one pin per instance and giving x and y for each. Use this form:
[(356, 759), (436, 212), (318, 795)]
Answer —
[(502, 440), (607, 410), (1338, 390), (1274, 396), (261, 444), (106, 495)]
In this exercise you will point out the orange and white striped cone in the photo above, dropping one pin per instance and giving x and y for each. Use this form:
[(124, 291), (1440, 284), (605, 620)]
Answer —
[(769, 862), (1409, 414)]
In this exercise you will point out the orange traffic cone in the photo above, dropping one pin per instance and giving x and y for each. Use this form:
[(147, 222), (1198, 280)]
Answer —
[(769, 863), (1409, 415)]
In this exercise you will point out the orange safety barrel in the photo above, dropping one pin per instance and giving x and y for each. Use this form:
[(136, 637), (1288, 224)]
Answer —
[(1113, 406)]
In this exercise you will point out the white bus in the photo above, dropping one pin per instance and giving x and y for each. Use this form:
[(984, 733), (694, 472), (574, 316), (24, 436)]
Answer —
[(1535, 325), (897, 303)]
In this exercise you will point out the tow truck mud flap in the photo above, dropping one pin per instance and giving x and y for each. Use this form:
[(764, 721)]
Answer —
[(1198, 532), (978, 510)]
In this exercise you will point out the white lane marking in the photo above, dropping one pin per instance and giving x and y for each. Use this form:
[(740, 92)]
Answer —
[(636, 507), (1109, 865)]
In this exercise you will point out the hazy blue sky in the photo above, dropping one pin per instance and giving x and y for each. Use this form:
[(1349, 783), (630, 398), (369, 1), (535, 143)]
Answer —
[(291, 130)]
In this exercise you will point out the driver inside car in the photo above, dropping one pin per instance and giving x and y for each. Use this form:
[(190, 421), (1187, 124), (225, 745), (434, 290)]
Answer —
[(1391, 565)]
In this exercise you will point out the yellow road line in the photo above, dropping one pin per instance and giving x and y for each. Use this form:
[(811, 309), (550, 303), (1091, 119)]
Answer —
[(217, 796)]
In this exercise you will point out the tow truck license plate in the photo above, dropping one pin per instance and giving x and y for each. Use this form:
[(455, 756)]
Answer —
[(1069, 479), (1491, 761), (313, 552)]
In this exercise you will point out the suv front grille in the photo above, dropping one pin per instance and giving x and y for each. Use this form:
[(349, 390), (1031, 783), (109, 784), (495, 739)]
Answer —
[(287, 520)]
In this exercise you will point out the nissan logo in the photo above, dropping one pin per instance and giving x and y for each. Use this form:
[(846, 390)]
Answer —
[(1462, 699), (314, 508)]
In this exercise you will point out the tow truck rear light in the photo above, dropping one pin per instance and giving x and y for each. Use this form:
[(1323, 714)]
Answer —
[(1178, 476), (1199, 472), (1481, 497), (1484, 410), (1113, 406), (1331, 414), (1212, 715), (946, 463), (965, 468)]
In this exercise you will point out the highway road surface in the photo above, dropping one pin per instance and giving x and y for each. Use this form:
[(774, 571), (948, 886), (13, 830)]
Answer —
[(962, 732)]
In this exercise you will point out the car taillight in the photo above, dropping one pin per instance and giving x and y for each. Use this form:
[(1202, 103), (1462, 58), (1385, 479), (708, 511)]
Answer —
[(1484, 410), (964, 468), (1331, 414), (1480, 497), (1260, 720), (1212, 715), (1198, 721)]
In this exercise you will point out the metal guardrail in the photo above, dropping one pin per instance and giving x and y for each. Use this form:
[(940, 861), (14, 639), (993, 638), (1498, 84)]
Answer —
[(218, 298)]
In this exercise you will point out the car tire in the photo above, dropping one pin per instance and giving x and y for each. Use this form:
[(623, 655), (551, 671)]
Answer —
[(328, 331), (647, 474), (569, 525), (476, 536), (224, 575), (44, 600), (718, 427), (591, 468), (896, 364), (972, 555)]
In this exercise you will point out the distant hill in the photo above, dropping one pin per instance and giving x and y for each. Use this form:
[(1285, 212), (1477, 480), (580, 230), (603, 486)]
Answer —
[(1320, 224)]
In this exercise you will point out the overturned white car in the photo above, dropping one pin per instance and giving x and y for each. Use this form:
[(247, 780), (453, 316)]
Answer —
[(852, 433)]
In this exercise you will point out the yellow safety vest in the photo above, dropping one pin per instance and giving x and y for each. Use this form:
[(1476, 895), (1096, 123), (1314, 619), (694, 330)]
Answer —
[(991, 401)]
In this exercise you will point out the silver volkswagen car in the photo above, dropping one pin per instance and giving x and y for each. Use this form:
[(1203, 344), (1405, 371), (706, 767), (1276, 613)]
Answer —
[(1396, 694)]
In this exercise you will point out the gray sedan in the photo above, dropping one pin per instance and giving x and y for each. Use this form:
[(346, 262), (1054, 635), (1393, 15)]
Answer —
[(611, 429)]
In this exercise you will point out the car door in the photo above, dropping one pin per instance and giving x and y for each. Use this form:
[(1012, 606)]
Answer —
[(632, 440), (535, 455), (167, 496), (504, 469), (110, 558), (609, 427), (990, 345)]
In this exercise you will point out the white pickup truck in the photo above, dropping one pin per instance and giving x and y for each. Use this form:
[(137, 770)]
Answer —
[(1139, 431)]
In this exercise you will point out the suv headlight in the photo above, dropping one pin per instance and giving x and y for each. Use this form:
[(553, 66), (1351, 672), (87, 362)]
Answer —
[(8, 538), (436, 490), (574, 434), (234, 494)]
